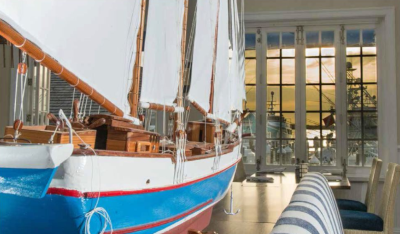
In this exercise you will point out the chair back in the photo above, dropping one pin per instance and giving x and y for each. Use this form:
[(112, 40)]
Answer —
[(386, 189), (373, 184), (387, 212)]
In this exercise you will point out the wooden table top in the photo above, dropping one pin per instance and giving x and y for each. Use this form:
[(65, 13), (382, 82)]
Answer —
[(289, 178)]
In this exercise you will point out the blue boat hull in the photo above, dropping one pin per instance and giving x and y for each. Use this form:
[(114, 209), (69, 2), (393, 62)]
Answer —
[(147, 212), (32, 183)]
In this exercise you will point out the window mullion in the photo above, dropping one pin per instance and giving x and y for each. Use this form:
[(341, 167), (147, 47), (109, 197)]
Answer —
[(300, 93), (341, 98)]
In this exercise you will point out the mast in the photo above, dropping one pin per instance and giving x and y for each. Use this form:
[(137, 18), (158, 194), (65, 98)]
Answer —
[(179, 100), (46, 60), (134, 94), (214, 63)]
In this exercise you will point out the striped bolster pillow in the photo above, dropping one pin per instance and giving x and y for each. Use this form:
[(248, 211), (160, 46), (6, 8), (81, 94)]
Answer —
[(312, 209)]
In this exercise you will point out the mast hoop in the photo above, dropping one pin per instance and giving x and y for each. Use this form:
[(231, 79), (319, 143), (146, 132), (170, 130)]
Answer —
[(62, 69), (104, 101), (23, 43), (44, 56), (91, 92), (78, 83)]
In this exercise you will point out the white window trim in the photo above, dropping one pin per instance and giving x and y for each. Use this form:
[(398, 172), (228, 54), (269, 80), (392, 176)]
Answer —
[(384, 17)]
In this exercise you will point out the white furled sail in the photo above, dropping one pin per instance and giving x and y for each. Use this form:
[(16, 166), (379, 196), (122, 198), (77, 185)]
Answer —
[(234, 72), (203, 53), (242, 34), (162, 58), (94, 39), (222, 107)]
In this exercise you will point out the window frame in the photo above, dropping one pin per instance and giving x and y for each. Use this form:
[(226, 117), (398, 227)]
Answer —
[(384, 19)]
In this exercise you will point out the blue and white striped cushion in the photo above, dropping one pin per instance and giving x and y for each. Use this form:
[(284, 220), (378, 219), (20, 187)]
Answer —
[(312, 209)]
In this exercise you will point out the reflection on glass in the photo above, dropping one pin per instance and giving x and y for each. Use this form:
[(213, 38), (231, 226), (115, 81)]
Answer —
[(288, 71), (369, 50), (273, 53), (370, 97), (249, 141), (328, 51), (250, 41), (287, 152), (250, 68), (250, 97), (328, 70), (329, 125), (353, 37), (250, 53), (290, 125), (313, 126), (273, 41), (274, 121), (327, 38), (312, 97), (273, 98), (312, 70), (288, 52), (249, 151), (370, 151), (312, 52), (273, 71), (354, 153), (328, 97), (312, 39), (353, 97), (249, 125), (353, 51), (353, 70), (272, 154), (369, 69), (329, 152), (370, 123), (288, 98), (354, 124), (368, 37), (288, 40), (314, 151)]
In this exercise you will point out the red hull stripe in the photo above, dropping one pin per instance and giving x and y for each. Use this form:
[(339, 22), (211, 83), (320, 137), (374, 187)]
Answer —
[(75, 193), (161, 222)]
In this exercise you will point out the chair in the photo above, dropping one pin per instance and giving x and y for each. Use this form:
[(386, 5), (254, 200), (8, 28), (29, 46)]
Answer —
[(356, 222), (369, 205)]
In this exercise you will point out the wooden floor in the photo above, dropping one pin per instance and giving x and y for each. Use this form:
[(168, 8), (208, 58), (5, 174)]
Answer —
[(260, 206)]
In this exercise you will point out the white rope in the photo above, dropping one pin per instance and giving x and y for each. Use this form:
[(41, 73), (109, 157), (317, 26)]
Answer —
[(96, 210), (23, 43), (90, 107), (84, 109), (44, 56), (62, 69), (72, 104), (15, 94), (20, 82)]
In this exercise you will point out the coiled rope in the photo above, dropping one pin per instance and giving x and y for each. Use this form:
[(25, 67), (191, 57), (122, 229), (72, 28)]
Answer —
[(96, 210)]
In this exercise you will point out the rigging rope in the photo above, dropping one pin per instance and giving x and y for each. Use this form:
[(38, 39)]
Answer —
[(96, 210), (22, 78)]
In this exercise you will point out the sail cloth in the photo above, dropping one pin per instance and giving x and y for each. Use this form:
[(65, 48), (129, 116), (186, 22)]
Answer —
[(222, 108), (203, 53), (234, 72), (94, 39), (162, 59)]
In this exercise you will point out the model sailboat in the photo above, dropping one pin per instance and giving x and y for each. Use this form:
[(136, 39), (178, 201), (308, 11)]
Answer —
[(112, 175)]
